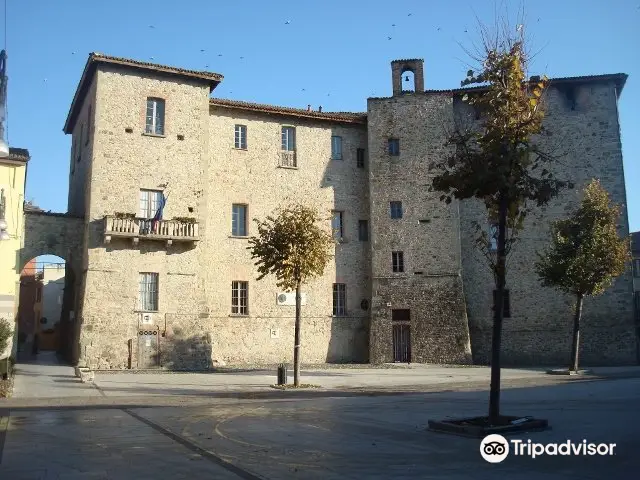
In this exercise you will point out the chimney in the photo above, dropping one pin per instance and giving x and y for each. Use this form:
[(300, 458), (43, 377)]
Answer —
[(320, 108), (308, 108)]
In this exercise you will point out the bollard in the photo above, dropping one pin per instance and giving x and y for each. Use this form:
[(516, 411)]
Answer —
[(282, 374)]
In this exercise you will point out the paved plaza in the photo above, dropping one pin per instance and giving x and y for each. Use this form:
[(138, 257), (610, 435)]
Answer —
[(360, 424)]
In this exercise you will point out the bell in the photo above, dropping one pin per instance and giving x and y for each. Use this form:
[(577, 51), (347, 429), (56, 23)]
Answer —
[(406, 79)]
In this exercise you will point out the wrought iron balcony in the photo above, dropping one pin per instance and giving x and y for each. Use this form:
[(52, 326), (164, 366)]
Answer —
[(288, 159), (137, 228)]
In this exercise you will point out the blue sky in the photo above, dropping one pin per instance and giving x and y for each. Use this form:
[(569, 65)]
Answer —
[(337, 51)]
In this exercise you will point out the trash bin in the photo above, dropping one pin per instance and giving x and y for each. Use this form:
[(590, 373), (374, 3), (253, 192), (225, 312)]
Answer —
[(282, 374)]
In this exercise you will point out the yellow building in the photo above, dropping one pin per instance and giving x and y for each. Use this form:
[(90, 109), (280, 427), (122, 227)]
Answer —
[(13, 173)]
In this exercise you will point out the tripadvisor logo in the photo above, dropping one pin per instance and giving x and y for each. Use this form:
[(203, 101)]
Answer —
[(495, 448)]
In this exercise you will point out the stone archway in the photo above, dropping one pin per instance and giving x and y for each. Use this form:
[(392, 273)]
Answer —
[(58, 234)]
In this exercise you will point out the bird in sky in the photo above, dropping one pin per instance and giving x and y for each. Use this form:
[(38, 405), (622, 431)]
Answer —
[(202, 49), (287, 22), (393, 24), (439, 29), (409, 15), (241, 58), (219, 54), (388, 38), (151, 26)]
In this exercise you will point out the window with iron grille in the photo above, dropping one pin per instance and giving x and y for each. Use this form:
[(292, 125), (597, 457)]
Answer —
[(148, 292), (240, 298), (506, 303), (360, 157), (150, 201), (289, 139), (339, 299), (493, 237), (241, 137), (636, 267), (363, 230), (155, 116), (394, 146), (396, 209), (336, 224), (397, 261), (336, 147), (239, 220)]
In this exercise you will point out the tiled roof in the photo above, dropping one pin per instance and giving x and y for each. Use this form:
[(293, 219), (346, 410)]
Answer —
[(19, 154), (98, 58), (619, 78), (343, 117)]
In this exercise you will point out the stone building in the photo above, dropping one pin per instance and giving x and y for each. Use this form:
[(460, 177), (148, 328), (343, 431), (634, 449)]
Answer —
[(406, 283), (635, 253)]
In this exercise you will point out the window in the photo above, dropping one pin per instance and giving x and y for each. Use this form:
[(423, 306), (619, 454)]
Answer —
[(360, 158), (363, 230), (506, 303), (88, 132), (396, 209), (336, 224), (339, 299), (240, 298), (394, 146), (636, 267), (400, 315), (289, 139), (397, 261), (239, 220), (336, 148), (493, 237), (155, 116), (148, 292), (150, 201), (241, 137)]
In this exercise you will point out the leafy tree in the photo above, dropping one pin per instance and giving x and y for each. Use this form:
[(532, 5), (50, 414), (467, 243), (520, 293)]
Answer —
[(496, 161), (586, 254), (293, 247), (6, 333)]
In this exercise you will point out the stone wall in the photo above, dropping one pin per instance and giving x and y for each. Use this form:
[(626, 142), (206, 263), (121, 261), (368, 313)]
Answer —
[(203, 175), (428, 233), (539, 330)]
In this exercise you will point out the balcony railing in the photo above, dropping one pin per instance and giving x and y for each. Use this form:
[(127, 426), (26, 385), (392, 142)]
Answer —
[(288, 159), (136, 228)]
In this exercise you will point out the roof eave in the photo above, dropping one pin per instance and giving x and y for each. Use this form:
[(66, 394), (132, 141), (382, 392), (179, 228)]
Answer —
[(322, 116)]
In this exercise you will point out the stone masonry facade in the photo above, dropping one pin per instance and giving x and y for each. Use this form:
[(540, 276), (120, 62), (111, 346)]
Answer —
[(436, 308)]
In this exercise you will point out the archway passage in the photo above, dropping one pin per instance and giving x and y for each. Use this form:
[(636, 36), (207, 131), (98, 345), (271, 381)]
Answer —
[(42, 290), (49, 262)]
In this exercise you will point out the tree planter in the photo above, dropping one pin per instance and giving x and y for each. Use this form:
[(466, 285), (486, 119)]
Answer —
[(566, 371), (478, 427)]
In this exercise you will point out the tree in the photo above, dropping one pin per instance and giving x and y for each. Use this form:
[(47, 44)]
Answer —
[(586, 254), (497, 162), (6, 332), (294, 248)]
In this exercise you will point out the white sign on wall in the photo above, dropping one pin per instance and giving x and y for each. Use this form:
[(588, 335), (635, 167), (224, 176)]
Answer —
[(289, 298)]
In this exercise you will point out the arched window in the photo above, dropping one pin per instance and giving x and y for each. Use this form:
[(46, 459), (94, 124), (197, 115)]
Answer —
[(408, 81)]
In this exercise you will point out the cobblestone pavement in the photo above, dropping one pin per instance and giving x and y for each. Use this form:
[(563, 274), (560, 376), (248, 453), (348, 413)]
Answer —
[(181, 432)]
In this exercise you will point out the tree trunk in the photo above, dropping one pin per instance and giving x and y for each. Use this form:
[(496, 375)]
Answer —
[(575, 344), (296, 347), (498, 312)]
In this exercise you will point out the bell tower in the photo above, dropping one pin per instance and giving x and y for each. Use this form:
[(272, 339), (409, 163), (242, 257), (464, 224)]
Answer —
[(400, 67)]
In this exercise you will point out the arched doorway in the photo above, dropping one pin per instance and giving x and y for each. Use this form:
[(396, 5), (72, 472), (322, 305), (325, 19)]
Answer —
[(45, 306)]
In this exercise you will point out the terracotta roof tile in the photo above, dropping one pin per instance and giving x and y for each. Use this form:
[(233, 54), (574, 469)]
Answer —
[(19, 154), (342, 117), (94, 59), (619, 78)]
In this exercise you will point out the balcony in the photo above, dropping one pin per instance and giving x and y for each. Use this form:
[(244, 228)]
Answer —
[(288, 159), (168, 231)]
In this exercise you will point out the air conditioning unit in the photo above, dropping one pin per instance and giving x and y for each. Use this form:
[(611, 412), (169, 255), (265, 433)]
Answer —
[(147, 318), (289, 298)]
